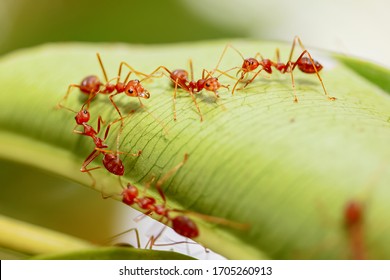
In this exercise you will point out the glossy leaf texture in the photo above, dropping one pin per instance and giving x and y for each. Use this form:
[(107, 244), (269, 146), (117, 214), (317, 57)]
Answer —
[(286, 169)]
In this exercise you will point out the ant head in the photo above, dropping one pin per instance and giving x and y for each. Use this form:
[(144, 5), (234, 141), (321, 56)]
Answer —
[(82, 116), (249, 64), (135, 89), (129, 194), (212, 84), (185, 226), (90, 84)]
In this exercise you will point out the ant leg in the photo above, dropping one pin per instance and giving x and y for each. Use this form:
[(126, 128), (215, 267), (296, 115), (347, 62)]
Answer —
[(95, 153), (174, 100), (131, 70), (191, 69), (127, 77), (169, 174), (159, 68), (135, 230), (180, 242), (206, 76), (293, 84), (91, 96), (78, 131), (296, 39), (190, 92), (220, 58), (277, 55), (140, 102), (258, 55), (100, 121), (92, 178), (139, 153), (176, 82), (109, 127), (148, 184), (221, 72), (59, 104), (120, 73), (253, 78), (243, 74), (216, 220), (102, 67), (315, 69), (196, 104), (153, 239), (116, 107), (223, 54), (240, 69)]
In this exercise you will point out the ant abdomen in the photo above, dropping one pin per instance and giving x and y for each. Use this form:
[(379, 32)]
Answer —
[(90, 84), (305, 65), (180, 75), (185, 226), (113, 164)]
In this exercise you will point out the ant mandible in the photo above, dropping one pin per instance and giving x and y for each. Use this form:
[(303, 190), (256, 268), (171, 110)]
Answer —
[(305, 63)]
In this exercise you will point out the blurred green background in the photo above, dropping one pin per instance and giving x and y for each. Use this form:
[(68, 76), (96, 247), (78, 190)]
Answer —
[(27, 23), (345, 26)]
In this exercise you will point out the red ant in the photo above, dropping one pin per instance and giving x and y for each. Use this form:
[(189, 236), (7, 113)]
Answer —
[(181, 224), (179, 78), (304, 62), (354, 216), (111, 160), (353, 219), (92, 86)]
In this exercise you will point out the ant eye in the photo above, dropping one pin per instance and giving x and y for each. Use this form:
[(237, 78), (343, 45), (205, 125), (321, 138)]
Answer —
[(207, 84), (85, 111), (130, 91), (136, 80)]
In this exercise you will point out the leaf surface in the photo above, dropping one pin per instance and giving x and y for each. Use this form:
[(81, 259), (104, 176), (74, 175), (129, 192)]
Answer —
[(286, 169)]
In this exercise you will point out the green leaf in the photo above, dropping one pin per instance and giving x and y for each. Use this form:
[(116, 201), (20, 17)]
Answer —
[(286, 169), (24, 238), (372, 72), (115, 253)]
